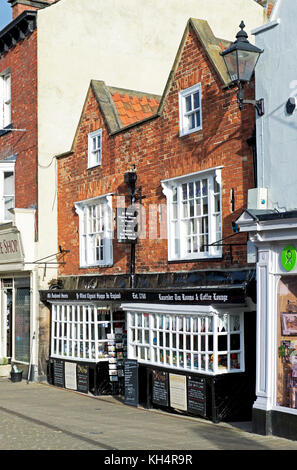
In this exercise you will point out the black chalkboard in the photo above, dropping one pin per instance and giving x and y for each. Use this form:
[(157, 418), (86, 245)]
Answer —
[(59, 376), (82, 378), (131, 382), (160, 388), (196, 396)]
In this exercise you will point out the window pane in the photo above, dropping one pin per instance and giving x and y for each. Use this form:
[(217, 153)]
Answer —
[(188, 101)]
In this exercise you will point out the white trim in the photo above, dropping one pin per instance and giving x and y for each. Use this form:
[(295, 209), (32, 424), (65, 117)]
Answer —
[(92, 162), (266, 26), (182, 112)]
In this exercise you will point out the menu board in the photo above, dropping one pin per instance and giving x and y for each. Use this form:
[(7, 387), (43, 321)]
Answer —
[(131, 382), (178, 391), (58, 373), (160, 388), (70, 375), (197, 396), (83, 378)]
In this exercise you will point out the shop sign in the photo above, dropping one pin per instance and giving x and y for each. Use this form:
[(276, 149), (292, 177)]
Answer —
[(288, 257), (127, 225), (196, 396), (10, 247), (187, 297), (160, 395), (178, 391), (131, 382)]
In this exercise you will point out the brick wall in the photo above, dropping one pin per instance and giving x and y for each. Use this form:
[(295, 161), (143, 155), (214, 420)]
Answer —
[(159, 153), (22, 62)]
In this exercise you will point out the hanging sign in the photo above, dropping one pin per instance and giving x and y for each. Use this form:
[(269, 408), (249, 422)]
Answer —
[(127, 224), (288, 257), (11, 250)]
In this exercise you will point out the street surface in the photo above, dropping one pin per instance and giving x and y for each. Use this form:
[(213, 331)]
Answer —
[(42, 417)]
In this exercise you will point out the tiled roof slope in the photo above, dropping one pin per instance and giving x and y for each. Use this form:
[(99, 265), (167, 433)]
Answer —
[(134, 106)]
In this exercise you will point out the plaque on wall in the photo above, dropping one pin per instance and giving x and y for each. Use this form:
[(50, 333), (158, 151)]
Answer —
[(178, 391), (197, 396), (70, 375), (83, 378), (160, 388), (131, 381), (58, 373)]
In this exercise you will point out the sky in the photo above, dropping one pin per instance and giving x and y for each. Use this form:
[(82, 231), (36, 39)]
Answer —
[(5, 13)]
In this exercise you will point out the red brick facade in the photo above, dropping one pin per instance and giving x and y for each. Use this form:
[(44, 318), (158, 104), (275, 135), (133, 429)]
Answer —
[(21, 59), (158, 152)]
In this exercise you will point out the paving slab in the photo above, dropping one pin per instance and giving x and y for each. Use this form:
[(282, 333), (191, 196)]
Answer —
[(39, 416)]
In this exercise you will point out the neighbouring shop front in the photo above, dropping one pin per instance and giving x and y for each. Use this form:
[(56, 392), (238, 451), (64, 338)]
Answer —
[(15, 300), (275, 236), (187, 349)]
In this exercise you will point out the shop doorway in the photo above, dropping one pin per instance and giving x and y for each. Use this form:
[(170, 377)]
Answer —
[(8, 309)]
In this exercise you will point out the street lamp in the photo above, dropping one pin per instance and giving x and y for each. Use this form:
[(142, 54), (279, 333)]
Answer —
[(241, 59)]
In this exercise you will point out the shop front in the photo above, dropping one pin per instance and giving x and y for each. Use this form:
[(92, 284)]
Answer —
[(275, 236), (16, 300), (188, 350)]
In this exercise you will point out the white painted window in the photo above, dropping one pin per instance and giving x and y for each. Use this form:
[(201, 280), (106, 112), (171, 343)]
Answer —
[(194, 215), (79, 332), (211, 343), (95, 231), (94, 148), (7, 190), (190, 110), (5, 99)]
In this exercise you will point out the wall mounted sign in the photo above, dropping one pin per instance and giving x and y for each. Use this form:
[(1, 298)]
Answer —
[(288, 257), (70, 375), (160, 395), (196, 396), (127, 225), (131, 382), (178, 391)]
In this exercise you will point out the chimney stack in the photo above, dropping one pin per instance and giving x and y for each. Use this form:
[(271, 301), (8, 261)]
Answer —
[(19, 6)]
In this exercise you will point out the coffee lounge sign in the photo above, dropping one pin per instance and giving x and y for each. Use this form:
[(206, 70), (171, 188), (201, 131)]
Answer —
[(10, 247)]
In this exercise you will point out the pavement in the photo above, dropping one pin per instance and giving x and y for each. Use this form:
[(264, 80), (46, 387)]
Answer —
[(39, 416)]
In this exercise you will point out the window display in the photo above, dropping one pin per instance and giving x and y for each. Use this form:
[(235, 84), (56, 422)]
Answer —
[(211, 343), (287, 342), (82, 332)]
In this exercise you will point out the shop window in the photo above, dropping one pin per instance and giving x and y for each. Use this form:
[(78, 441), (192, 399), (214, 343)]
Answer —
[(5, 99), (95, 231), (81, 332), (190, 110), (208, 343), (194, 215), (94, 148)]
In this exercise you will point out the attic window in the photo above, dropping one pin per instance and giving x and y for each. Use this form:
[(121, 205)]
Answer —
[(190, 110), (94, 148)]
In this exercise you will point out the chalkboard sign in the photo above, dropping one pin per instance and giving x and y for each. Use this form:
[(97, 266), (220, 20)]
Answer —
[(83, 378), (160, 388), (197, 396), (127, 224), (59, 373), (131, 382)]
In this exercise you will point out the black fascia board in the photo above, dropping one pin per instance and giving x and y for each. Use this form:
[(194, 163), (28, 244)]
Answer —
[(24, 17)]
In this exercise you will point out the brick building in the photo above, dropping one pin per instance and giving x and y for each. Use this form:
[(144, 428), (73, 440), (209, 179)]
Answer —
[(40, 106), (184, 292)]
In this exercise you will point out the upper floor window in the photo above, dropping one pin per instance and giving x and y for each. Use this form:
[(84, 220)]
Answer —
[(6, 190), (194, 215), (95, 231), (5, 100), (94, 148), (190, 110)]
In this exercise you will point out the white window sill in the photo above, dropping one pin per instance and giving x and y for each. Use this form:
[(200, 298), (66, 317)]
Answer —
[(89, 266), (93, 166), (197, 258), (183, 133)]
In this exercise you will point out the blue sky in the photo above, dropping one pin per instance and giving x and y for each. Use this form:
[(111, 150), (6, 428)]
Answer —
[(5, 13)]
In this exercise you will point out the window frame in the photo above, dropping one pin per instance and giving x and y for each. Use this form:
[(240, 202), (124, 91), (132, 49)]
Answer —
[(86, 259), (177, 250), (81, 327), (182, 358), (5, 99), (93, 160), (6, 167), (184, 114)]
